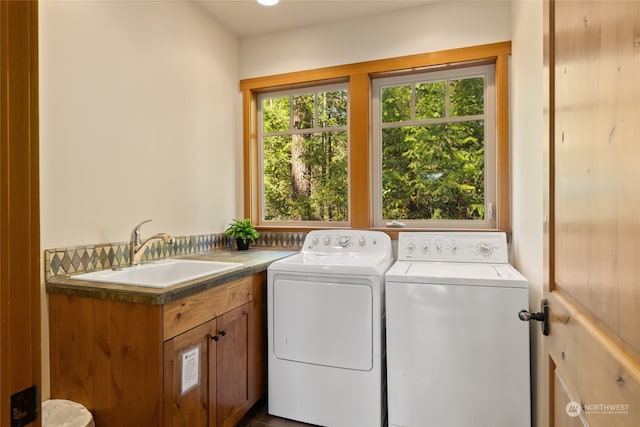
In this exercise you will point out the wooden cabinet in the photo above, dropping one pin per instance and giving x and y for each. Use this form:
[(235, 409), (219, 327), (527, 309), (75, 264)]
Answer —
[(186, 404), (197, 361), (232, 373), (218, 394)]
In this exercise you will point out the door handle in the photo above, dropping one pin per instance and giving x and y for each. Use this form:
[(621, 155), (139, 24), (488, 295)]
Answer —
[(540, 316)]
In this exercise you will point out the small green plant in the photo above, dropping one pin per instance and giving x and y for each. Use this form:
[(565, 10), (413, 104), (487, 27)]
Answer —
[(243, 230)]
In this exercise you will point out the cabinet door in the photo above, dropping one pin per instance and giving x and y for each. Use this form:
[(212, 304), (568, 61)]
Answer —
[(190, 378), (234, 354)]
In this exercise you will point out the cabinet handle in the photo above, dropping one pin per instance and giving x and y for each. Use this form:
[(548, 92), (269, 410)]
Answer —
[(217, 337)]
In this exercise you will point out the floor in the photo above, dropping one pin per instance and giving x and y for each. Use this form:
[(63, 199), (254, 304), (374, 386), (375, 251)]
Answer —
[(258, 417)]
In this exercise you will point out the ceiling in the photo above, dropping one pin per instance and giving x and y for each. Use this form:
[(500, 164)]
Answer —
[(247, 18)]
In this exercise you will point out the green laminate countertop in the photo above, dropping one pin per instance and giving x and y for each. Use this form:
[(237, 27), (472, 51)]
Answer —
[(253, 261)]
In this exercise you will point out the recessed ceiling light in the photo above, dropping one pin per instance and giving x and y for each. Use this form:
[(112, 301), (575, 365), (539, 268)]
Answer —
[(268, 2)]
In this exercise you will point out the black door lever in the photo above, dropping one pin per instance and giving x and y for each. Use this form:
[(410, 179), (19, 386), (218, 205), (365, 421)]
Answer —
[(541, 316)]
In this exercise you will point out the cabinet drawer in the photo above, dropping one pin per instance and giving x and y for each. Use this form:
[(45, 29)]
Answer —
[(184, 314)]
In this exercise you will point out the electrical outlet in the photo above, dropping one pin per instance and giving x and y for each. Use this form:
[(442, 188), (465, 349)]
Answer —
[(24, 407)]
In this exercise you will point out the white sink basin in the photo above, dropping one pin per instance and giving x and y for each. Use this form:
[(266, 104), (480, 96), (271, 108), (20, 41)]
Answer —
[(158, 274)]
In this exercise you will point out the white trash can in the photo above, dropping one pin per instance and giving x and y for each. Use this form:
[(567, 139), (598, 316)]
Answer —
[(65, 413)]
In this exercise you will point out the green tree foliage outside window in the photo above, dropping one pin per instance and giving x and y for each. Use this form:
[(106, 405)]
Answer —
[(433, 150), (305, 161)]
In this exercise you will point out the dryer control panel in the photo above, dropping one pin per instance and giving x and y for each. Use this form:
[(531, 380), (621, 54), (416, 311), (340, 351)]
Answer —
[(485, 247), (341, 241)]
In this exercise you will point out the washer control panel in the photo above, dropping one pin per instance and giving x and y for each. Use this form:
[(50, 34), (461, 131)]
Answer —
[(486, 247), (340, 241)]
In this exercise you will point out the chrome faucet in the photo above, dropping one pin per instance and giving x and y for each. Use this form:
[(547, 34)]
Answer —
[(136, 248)]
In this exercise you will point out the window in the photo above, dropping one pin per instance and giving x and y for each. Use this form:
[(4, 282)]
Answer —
[(420, 140), (434, 149), (303, 145)]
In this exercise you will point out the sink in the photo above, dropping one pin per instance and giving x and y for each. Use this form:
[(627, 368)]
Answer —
[(158, 274)]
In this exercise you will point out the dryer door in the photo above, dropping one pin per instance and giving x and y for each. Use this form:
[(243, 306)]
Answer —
[(323, 323)]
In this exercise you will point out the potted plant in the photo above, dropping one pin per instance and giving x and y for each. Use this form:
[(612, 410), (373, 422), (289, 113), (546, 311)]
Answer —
[(243, 231)]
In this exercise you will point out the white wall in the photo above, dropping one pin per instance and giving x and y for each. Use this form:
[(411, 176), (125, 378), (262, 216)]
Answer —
[(138, 119), (434, 27), (527, 157), (138, 110)]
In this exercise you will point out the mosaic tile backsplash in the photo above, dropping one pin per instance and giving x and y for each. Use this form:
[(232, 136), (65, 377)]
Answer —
[(62, 262)]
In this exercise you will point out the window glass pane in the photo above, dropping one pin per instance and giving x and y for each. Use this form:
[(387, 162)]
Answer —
[(332, 108), (430, 100), (276, 114), (305, 177), (277, 175), (467, 97), (433, 172), (303, 109), (305, 172), (396, 104)]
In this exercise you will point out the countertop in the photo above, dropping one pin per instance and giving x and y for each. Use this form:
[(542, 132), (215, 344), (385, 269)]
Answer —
[(253, 261)]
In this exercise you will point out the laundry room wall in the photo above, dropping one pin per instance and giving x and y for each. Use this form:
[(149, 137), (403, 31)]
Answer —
[(526, 100), (137, 121), (419, 29)]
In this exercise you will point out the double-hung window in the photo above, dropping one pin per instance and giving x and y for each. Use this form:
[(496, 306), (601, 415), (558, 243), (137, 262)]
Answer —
[(434, 149), (304, 165)]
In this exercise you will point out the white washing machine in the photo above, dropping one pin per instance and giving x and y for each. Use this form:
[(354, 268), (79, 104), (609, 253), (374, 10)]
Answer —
[(325, 308), (457, 353)]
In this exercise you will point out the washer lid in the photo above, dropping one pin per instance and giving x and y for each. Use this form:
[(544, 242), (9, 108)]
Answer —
[(468, 274)]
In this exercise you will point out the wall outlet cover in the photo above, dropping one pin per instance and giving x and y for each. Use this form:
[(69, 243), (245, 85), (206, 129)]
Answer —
[(25, 406)]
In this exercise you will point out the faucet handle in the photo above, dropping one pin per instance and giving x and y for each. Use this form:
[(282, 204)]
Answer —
[(135, 233), (143, 222)]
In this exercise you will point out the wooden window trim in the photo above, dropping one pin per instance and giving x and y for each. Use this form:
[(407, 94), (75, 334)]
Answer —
[(359, 77)]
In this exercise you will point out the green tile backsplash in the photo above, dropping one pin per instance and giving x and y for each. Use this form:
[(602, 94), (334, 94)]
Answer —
[(62, 262)]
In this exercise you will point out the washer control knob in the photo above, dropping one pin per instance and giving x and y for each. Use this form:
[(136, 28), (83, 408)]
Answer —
[(344, 241), (327, 240), (362, 241), (485, 249), (411, 247), (315, 240)]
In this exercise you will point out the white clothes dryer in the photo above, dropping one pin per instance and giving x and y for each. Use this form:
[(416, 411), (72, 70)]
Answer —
[(325, 308), (457, 353)]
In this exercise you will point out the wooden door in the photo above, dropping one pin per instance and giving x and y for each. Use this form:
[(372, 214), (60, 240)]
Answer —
[(592, 218), (19, 211), (190, 378), (234, 357)]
